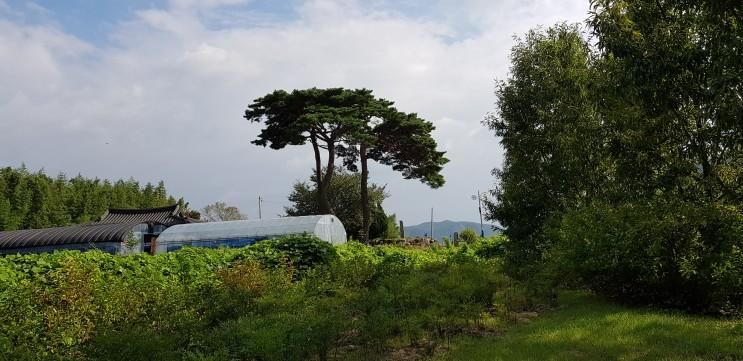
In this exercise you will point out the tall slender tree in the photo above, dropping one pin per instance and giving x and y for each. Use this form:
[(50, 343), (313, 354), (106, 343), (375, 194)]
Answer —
[(393, 138), (547, 122), (404, 142)]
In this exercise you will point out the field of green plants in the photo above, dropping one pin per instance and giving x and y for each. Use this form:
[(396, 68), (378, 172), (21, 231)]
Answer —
[(286, 299)]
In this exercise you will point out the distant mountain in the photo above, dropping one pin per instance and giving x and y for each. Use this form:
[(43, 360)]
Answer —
[(446, 229)]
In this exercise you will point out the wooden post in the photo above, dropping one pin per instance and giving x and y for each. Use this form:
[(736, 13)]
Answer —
[(153, 245), (432, 224)]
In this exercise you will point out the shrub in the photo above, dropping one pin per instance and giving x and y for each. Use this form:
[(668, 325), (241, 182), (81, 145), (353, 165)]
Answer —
[(238, 289), (302, 251), (491, 247), (670, 254), (468, 235), (134, 344)]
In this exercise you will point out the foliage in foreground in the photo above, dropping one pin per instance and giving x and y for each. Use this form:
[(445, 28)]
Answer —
[(284, 299), (676, 255)]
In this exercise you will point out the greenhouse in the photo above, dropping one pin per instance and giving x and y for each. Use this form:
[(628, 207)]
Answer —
[(243, 233), (116, 238), (119, 231)]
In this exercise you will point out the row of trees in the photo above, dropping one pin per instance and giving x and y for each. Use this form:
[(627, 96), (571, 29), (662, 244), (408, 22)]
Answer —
[(624, 155), (36, 200), (351, 126)]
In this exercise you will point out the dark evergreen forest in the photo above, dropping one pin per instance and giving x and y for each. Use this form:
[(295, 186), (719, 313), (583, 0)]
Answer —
[(35, 200)]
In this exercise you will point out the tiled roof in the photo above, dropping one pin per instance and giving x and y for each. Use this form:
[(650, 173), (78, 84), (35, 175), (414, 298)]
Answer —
[(164, 215)]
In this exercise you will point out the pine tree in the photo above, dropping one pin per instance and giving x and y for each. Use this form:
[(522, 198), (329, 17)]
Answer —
[(36, 200), (4, 205)]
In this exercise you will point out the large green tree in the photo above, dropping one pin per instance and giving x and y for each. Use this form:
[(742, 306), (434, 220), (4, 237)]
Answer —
[(677, 78), (551, 132), (629, 153), (353, 125), (322, 117), (404, 142), (344, 194), (400, 140)]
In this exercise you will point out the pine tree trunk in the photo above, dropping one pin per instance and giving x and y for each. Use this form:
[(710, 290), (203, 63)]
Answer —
[(322, 191), (365, 212), (329, 170)]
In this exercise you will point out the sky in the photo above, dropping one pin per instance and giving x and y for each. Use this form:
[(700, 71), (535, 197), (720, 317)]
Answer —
[(156, 89)]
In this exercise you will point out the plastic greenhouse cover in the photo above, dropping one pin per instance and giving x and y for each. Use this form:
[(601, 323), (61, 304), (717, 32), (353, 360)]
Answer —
[(327, 227)]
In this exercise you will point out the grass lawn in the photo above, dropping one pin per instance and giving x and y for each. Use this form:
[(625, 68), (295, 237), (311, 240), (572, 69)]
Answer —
[(588, 328)]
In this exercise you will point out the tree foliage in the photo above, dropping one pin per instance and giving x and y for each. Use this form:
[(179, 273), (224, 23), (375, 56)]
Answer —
[(403, 142), (220, 211), (676, 65), (552, 135), (355, 126), (35, 200), (344, 194), (392, 228), (624, 160), (325, 118)]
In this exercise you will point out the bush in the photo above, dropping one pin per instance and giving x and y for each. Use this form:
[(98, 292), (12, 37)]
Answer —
[(468, 235), (302, 251), (670, 254), (491, 247), (227, 304), (134, 344)]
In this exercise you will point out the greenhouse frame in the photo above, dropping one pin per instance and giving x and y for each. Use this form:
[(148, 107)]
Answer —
[(119, 231), (246, 232)]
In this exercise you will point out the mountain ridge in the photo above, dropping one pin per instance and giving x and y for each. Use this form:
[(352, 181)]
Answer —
[(446, 228)]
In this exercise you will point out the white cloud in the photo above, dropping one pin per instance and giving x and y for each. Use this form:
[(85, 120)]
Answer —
[(204, 4), (164, 100)]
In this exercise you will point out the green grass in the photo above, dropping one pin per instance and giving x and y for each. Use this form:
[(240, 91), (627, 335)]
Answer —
[(588, 328)]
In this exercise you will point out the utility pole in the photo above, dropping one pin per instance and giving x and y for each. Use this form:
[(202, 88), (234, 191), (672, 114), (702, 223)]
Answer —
[(432, 224), (479, 208), (260, 200)]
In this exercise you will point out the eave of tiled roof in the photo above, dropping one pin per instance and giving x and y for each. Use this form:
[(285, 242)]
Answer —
[(165, 215)]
